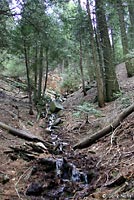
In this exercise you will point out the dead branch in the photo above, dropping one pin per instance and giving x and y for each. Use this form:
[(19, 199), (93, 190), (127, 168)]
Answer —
[(20, 133), (103, 132), (116, 182)]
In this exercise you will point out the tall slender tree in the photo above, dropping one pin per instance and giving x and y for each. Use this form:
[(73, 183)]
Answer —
[(26, 55), (111, 83), (4, 32), (99, 79), (41, 59), (124, 38), (81, 49), (131, 27), (46, 74)]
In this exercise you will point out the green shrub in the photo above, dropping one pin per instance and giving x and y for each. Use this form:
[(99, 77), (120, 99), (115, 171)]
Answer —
[(130, 54), (14, 67), (87, 108), (125, 101), (117, 95), (70, 81), (130, 57)]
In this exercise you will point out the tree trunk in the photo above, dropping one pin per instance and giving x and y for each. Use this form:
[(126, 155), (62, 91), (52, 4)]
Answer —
[(100, 53), (46, 77), (35, 74), (113, 42), (80, 51), (93, 138), (24, 135), (120, 9), (28, 78), (81, 68), (40, 72), (111, 83), (99, 79), (131, 28), (20, 133)]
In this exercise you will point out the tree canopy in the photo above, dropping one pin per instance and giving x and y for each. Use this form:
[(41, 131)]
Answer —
[(47, 34)]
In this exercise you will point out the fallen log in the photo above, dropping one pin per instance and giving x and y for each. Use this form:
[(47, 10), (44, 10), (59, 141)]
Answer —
[(20, 133), (103, 132)]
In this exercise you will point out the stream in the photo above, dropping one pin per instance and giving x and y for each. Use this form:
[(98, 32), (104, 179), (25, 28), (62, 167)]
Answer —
[(64, 175)]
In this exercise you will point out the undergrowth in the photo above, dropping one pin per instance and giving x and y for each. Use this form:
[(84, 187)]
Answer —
[(123, 99), (70, 82), (13, 67), (86, 108)]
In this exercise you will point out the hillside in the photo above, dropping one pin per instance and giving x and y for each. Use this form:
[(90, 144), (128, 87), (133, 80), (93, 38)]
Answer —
[(103, 171)]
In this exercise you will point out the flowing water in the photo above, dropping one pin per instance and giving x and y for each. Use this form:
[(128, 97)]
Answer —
[(68, 171)]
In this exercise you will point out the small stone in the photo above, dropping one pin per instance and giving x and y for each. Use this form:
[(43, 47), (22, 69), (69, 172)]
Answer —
[(5, 179)]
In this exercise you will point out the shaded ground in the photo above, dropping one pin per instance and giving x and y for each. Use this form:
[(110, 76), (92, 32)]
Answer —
[(108, 164)]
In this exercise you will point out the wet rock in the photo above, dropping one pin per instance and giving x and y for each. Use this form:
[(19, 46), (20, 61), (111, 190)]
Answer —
[(34, 189), (49, 163), (56, 193), (48, 130), (58, 178), (55, 106), (68, 171), (56, 122), (64, 170)]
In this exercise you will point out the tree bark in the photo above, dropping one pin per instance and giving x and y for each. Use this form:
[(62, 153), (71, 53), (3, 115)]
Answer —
[(46, 78), (93, 138), (81, 51), (81, 68), (99, 79), (124, 39), (28, 78), (111, 83), (131, 28), (20, 133), (35, 73), (40, 72), (122, 24)]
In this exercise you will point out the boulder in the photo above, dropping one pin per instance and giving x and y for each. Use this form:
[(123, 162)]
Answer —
[(55, 106)]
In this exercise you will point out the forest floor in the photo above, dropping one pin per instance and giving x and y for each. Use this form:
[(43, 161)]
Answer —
[(105, 170)]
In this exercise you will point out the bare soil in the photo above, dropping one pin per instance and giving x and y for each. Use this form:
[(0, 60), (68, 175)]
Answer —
[(109, 162)]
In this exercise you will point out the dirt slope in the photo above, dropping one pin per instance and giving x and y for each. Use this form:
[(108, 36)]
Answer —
[(112, 157)]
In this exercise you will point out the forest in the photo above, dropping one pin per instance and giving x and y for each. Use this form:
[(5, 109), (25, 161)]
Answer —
[(66, 99)]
